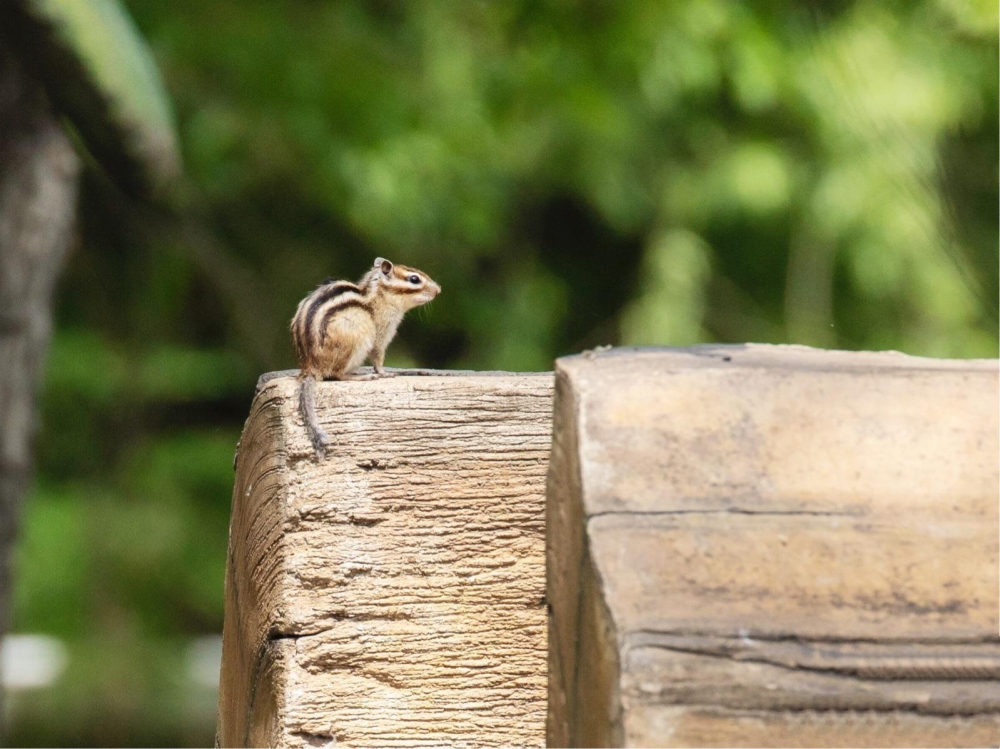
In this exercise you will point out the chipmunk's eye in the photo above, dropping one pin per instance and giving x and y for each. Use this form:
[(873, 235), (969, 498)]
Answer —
[(414, 279)]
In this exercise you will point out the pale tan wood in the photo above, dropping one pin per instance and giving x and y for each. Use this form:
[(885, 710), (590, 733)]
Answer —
[(773, 546), (718, 727), (393, 593)]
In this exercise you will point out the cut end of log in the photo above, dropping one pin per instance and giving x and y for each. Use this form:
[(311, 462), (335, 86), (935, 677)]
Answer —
[(773, 546)]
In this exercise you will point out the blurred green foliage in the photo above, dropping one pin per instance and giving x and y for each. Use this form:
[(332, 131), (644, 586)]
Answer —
[(572, 173), (100, 76)]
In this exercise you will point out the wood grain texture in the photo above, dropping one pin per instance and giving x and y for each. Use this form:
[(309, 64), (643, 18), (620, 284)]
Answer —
[(392, 594), (773, 546)]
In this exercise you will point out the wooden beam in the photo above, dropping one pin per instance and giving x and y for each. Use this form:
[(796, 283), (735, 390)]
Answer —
[(773, 546), (393, 593)]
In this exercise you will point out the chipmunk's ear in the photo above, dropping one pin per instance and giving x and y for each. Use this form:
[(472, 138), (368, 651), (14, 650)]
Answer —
[(385, 265)]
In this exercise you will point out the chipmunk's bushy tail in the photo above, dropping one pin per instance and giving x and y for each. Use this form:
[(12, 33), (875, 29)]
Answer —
[(307, 405)]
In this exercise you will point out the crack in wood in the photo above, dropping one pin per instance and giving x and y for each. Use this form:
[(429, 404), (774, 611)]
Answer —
[(873, 660), (315, 739), (721, 511)]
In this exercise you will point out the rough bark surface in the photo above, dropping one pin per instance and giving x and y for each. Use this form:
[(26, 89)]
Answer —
[(393, 593), (773, 546), (38, 186)]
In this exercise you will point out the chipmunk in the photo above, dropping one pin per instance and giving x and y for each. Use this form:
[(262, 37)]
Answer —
[(341, 324)]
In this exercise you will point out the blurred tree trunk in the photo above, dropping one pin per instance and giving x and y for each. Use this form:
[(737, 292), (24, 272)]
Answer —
[(38, 185)]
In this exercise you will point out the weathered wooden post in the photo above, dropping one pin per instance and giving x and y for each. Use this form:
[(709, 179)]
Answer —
[(773, 546), (746, 546), (392, 594)]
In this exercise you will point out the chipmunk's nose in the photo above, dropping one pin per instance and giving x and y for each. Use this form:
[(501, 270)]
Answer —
[(435, 287)]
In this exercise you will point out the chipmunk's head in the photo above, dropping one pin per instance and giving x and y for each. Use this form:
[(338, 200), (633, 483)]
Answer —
[(408, 287)]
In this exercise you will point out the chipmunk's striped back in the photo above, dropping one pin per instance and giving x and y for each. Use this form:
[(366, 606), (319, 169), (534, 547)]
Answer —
[(316, 311)]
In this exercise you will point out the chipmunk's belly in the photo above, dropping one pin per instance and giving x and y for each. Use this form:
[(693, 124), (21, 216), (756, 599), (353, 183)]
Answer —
[(361, 352), (347, 341)]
